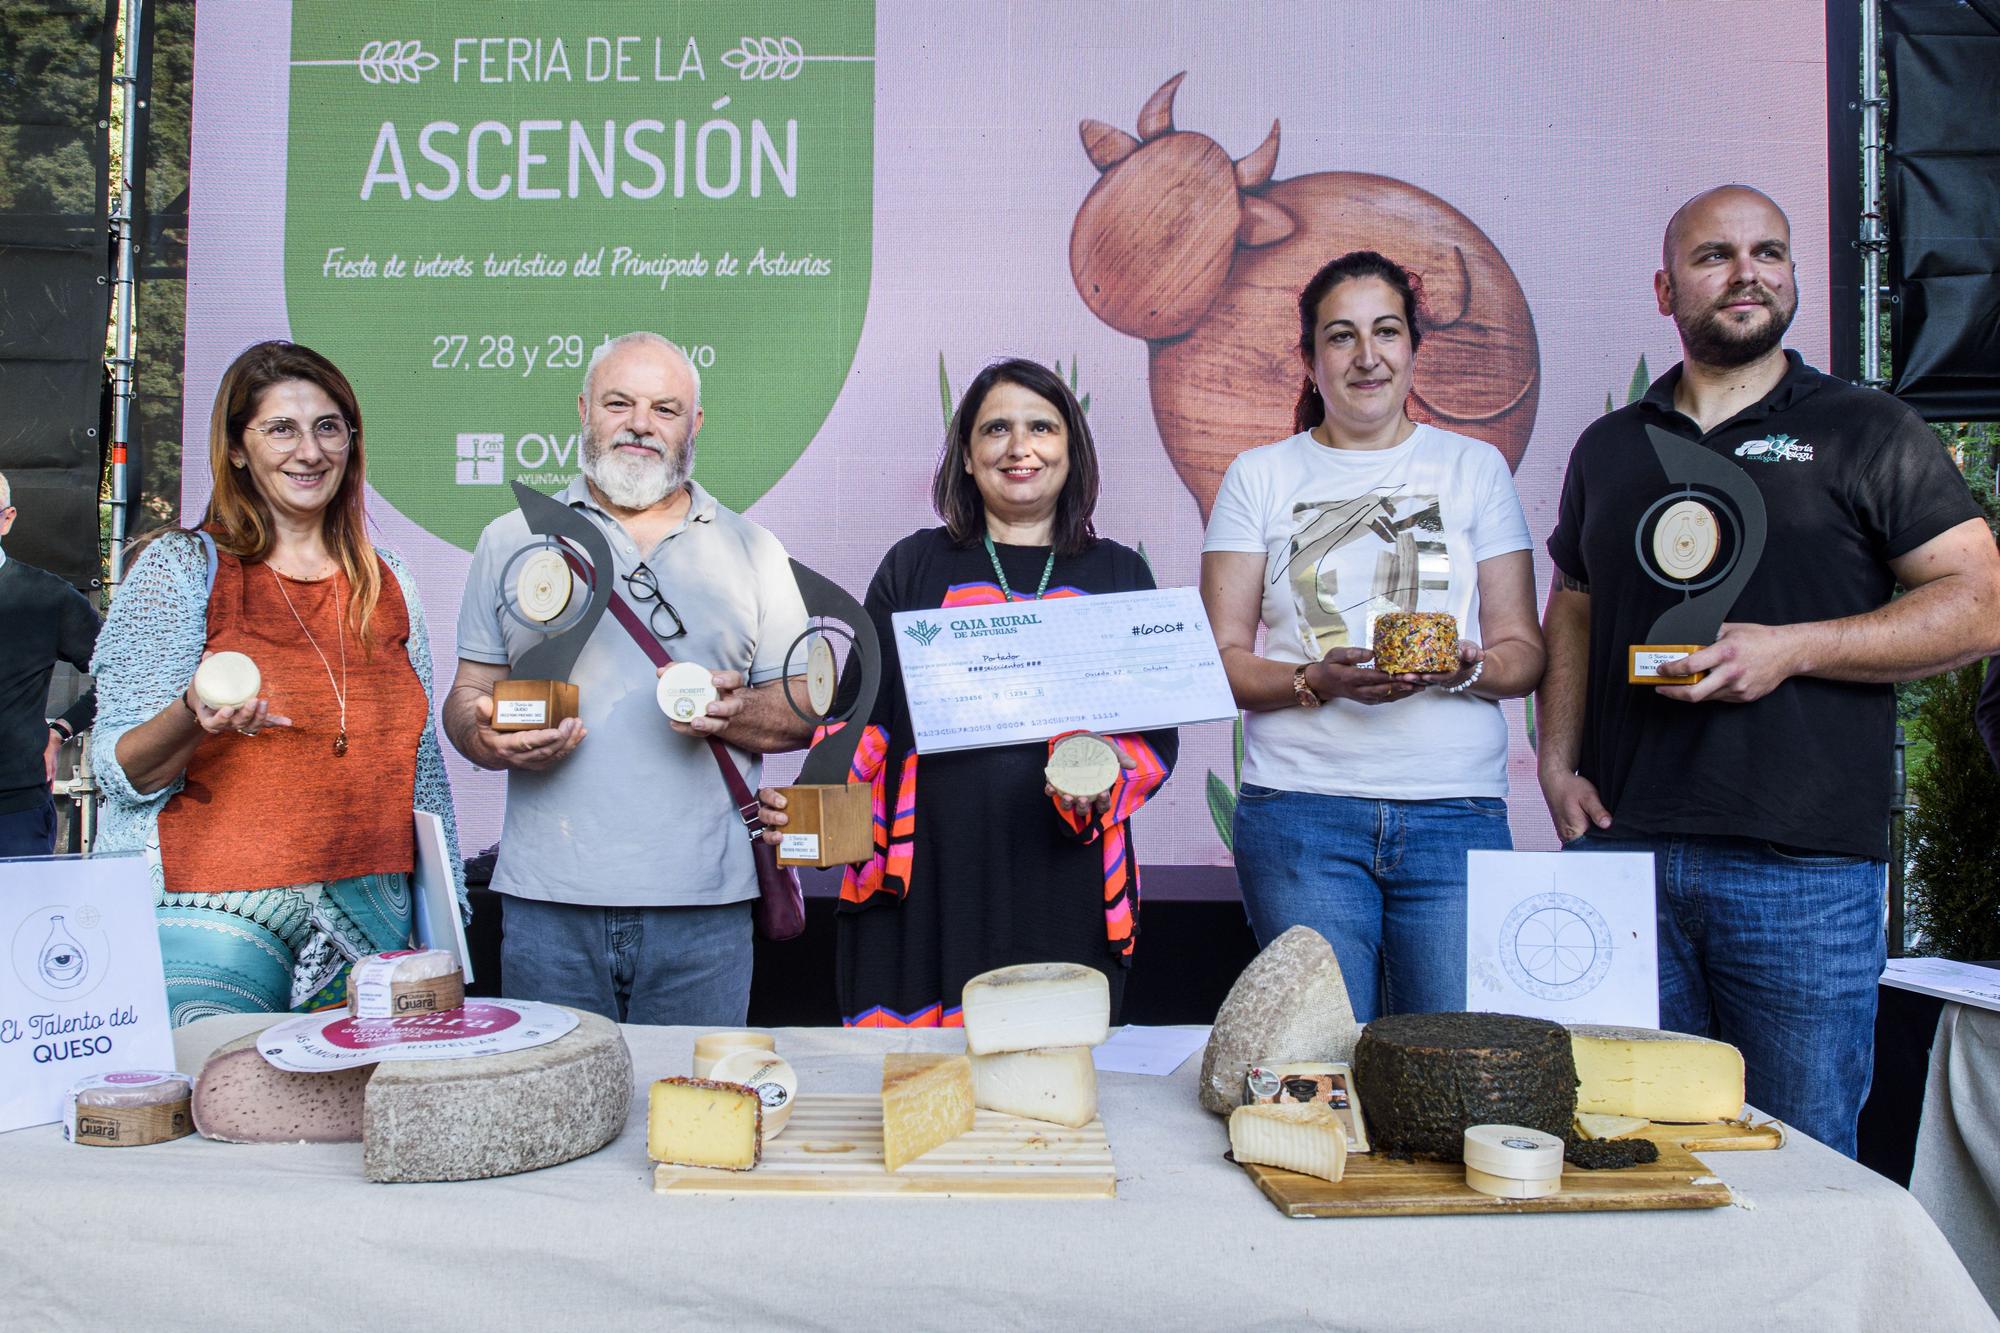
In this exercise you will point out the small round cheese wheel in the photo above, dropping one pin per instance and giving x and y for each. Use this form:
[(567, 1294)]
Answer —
[(1505, 1187), (226, 680), (542, 585), (405, 981), (1082, 766), (711, 1047), (822, 676), (1513, 1151), (685, 691), (128, 1109), (766, 1074)]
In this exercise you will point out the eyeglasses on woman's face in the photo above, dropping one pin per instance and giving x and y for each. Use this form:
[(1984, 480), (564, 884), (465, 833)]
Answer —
[(284, 435)]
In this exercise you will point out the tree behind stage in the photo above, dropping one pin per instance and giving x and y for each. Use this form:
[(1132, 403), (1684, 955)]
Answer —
[(1954, 831)]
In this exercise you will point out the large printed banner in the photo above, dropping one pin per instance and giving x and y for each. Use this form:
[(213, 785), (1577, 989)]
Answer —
[(843, 210)]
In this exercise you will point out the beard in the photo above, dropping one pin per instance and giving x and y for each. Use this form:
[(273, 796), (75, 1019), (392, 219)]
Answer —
[(632, 482), (1716, 339)]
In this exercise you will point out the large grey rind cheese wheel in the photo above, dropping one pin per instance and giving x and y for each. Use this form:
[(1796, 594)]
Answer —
[(1289, 1005)]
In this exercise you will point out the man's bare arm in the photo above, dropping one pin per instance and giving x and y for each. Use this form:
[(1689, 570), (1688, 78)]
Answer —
[(1573, 801), (754, 719), (468, 724)]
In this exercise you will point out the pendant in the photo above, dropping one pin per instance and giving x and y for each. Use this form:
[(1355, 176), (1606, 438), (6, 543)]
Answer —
[(340, 745)]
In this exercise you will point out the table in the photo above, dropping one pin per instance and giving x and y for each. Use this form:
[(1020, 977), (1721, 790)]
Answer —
[(213, 1236), (1957, 1171)]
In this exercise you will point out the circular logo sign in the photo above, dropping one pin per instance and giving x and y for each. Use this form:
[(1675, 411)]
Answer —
[(367, 1034)]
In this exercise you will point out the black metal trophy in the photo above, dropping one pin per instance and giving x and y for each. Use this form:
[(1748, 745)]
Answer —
[(830, 819), (1702, 541), (538, 591)]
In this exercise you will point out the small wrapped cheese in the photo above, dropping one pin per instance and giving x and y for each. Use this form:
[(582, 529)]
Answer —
[(407, 981), (1416, 642), (128, 1109)]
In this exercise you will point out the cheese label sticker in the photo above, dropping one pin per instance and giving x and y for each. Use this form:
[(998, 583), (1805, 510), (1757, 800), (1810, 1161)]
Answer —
[(800, 846), (314, 1043), (515, 712)]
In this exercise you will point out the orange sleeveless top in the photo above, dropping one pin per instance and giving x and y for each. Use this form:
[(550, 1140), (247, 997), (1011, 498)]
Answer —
[(279, 808)]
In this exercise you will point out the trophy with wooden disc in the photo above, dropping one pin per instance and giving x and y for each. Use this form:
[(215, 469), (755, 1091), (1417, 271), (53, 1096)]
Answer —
[(539, 591), (1703, 541), (830, 820)]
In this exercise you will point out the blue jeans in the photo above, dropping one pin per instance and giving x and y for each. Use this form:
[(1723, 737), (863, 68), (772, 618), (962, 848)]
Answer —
[(665, 965), (1384, 881), (1777, 952), (30, 832)]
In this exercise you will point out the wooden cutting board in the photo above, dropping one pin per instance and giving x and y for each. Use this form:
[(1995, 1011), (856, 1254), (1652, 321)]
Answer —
[(1717, 1135), (833, 1145), (1375, 1186)]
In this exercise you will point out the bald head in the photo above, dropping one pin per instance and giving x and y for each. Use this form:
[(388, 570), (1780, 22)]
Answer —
[(1683, 229)]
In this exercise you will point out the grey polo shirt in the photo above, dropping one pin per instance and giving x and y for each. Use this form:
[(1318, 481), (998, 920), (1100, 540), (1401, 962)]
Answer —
[(637, 815)]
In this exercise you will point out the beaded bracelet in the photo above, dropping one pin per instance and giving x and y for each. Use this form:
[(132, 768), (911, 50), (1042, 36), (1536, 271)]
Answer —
[(1478, 668)]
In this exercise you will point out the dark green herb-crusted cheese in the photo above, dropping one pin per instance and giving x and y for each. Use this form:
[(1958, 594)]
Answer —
[(1425, 1078)]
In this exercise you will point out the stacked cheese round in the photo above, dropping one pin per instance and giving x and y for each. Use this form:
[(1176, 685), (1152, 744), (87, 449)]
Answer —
[(1029, 1030), (766, 1074), (1513, 1161), (712, 1046), (405, 981), (1426, 1078), (128, 1109), (1409, 642)]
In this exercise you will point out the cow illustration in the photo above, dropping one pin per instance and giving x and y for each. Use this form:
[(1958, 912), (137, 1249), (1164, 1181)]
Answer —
[(1203, 257)]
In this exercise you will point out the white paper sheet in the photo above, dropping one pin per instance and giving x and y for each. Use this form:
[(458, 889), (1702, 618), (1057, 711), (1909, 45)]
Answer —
[(81, 987), (434, 897), (1026, 671), (1966, 983), (1143, 1050), (1568, 936)]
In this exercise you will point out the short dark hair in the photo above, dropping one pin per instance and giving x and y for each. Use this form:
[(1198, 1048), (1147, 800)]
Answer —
[(954, 494), (1311, 409)]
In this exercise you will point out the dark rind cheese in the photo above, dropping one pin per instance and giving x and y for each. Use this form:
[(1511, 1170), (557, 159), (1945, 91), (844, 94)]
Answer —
[(1610, 1154), (1427, 1078)]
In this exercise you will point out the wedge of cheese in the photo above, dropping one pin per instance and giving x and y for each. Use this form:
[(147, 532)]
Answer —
[(703, 1122), (1594, 1126), (1296, 1136), (1057, 1084), (1667, 1076), (926, 1101), (1033, 1005)]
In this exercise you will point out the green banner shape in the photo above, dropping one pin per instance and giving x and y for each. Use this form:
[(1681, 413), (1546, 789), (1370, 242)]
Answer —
[(478, 196)]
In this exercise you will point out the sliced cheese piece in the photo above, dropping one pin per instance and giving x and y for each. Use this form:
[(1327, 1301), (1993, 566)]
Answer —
[(926, 1101), (497, 1115), (1056, 1083), (704, 1122), (1296, 1136), (1290, 1004), (240, 1097), (1032, 1005), (1668, 1076), (773, 1079), (1592, 1125)]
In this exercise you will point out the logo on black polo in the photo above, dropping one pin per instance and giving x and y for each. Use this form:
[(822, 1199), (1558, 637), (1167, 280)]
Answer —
[(1775, 449)]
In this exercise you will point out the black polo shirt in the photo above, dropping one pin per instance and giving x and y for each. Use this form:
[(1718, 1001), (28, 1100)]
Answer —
[(1851, 479)]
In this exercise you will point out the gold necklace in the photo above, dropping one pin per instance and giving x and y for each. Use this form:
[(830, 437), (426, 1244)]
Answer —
[(340, 628)]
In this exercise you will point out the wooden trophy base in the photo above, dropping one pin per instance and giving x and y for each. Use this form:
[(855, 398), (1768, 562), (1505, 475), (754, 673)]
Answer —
[(828, 825), (532, 705), (1644, 660)]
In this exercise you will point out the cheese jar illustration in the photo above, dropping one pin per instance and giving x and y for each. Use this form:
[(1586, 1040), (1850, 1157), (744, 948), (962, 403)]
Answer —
[(62, 960)]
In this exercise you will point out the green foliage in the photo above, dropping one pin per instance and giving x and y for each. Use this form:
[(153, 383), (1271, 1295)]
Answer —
[(1641, 381), (948, 399), (51, 149), (1222, 795), (1954, 831)]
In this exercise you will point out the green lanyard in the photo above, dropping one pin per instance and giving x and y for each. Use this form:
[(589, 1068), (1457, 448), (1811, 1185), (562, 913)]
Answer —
[(1007, 592)]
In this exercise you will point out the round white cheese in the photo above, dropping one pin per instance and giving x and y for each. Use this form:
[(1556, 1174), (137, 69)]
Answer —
[(1505, 1187), (712, 1046), (226, 680), (405, 981), (685, 691), (769, 1076), (1082, 766), (1513, 1151), (129, 1108)]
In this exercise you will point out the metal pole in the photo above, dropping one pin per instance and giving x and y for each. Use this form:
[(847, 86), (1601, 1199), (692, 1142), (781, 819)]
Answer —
[(1873, 238), (124, 297)]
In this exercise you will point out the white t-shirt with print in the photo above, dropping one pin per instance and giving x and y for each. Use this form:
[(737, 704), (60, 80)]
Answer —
[(1347, 534)]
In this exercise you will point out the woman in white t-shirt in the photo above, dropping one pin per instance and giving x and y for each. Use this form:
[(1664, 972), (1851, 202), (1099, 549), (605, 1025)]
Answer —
[(1362, 792)]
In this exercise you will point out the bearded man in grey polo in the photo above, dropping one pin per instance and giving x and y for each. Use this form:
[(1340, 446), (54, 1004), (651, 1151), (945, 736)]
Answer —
[(624, 866)]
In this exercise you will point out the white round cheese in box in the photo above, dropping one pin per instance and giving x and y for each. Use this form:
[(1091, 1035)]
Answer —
[(685, 691), (128, 1109), (405, 981), (226, 680), (1513, 1152), (712, 1046), (1504, 1187), (769, 1076)]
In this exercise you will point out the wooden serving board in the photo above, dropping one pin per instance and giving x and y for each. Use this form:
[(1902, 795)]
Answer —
[(1717, 1135), (833, 1145), (1375, 1186)]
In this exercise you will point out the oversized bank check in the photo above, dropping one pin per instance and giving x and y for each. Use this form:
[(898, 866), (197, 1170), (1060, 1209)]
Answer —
[(1026, 671)]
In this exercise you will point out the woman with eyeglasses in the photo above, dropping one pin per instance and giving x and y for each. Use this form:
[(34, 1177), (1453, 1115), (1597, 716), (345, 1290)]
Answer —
[(279, 828), (978, 863)]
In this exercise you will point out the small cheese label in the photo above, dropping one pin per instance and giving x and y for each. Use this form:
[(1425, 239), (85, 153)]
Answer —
[(1648, 663), (800, 846), (518, 712)]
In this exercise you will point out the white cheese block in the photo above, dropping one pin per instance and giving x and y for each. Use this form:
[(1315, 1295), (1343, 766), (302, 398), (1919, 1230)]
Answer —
[(1033, 1005), (704, 1122), (769, 1076), (1057, 1084), (1513, 1151), (926, 1101), (1295, 1136), (1594, 1126), (128, 1109), (226, 680), (405, 981), (1289, 1005), (1667, 1076)]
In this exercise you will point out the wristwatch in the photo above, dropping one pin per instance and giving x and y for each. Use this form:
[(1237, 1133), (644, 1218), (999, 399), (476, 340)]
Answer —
[(1302, 691)]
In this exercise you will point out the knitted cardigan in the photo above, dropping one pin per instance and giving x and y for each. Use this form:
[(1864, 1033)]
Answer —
[(147, 652)]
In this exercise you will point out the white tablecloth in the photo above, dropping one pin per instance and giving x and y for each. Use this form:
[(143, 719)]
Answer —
[(213, 1236), (1957, 1172)]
